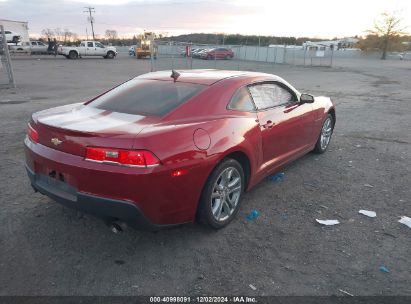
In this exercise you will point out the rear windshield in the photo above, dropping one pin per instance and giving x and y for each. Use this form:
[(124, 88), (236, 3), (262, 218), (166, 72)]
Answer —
[(146, 97)]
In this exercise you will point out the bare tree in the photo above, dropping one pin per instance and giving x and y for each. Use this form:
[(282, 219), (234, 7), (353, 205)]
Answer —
[(67, 34), (387, 28), (59, 34), (111, 35), (48, 33)]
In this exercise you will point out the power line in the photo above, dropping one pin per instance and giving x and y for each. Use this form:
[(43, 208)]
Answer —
[(90, 10)]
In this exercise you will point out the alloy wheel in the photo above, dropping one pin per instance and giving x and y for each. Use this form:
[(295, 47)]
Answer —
[(326, 132), (226, 194)]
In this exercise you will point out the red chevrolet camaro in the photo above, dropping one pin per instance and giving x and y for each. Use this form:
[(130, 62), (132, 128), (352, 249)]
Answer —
[(161, 149)]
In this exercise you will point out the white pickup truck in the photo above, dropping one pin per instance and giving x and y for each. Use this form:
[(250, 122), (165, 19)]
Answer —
[(88, 48)]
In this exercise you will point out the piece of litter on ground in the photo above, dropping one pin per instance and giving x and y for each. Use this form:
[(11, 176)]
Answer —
[(384, 269), (252, 287), (277, 177), (253, 215), (358, 146), (322, 206), (327, 222), (368, 213), (406, 221), (368, 186), (346, 292)]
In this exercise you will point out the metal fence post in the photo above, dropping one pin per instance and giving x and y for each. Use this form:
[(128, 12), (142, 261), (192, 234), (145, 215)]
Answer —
[(7, 59)]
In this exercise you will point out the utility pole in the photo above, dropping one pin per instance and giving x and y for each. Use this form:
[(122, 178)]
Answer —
[(91, 10)]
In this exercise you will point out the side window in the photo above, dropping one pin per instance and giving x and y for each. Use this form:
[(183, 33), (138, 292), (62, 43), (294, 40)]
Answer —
[(89, 44), (241, 101), (98, 44), (82, 44), (33, 43), (7, 32), (269, 95)]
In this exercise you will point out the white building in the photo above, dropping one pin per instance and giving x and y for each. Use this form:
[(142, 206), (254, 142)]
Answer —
[(19, 27)]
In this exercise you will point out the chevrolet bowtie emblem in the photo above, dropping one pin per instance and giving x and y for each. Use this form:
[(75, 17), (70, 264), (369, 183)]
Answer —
[(56, 141)]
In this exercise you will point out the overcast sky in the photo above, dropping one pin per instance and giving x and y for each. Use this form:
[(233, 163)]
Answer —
[(300, 18)]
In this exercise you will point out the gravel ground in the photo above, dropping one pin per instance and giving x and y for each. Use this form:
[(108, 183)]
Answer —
[(46, 249)]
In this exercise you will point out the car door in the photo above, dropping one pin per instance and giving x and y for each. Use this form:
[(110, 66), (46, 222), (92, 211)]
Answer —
[(90, 49), (34, 47), (82, 49), (41, 47), (285, 124), (100, 49)]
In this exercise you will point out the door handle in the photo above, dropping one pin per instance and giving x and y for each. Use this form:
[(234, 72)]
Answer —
[(269, 124)]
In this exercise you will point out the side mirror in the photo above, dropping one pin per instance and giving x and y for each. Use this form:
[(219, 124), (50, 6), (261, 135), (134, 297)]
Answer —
[(306, 98)]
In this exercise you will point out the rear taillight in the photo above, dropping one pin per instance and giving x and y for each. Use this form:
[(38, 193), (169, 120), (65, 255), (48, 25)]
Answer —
[(33, 134), (131, 158)]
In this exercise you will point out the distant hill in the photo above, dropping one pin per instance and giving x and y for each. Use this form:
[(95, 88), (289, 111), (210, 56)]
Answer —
[(237, 39)]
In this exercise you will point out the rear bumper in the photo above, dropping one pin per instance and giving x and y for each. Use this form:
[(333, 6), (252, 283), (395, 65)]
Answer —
[(103, 207)]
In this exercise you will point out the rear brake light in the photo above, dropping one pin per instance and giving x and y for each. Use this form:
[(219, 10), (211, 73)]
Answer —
[(131, 158), (33, 134)]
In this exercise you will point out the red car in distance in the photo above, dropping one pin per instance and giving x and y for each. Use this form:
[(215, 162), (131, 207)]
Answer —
[(218, 53), (157, 150)]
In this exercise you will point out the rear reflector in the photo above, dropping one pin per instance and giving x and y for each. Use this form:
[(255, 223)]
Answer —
[(33, 134), (179, 172), (131, 158)]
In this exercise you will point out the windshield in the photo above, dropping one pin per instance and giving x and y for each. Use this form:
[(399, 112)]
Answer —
[(146, 97)]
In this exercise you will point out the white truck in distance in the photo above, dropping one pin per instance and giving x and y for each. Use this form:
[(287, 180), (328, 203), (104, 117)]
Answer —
[(88, 48)]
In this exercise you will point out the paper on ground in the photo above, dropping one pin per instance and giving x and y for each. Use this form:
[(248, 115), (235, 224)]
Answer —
[(327, 222), (368, 213), (406, 221)]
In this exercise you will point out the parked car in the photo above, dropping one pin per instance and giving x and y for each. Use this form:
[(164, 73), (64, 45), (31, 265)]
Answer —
[(38, 47), (88, 48), (158, 150), (132, 50), (20, 47), (197, 52), (218, 53), (12, 36), (35, 47)]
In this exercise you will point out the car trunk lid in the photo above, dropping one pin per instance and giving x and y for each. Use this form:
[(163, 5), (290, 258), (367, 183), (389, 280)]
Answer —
[(72, 128)]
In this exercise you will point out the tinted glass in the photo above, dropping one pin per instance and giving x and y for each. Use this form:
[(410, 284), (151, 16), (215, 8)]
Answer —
[(89, 44), (7, 32), (242, 101), (147, 97), (33, 43), (269, 95)]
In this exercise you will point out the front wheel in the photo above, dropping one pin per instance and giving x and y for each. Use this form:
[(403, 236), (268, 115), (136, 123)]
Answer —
[(110, 55), (325, 136), (220, 200)]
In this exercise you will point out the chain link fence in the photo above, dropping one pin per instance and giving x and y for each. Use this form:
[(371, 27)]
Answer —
[(246, 57), (6, 70)]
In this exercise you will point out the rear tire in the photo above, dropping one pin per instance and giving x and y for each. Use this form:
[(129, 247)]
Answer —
[(222, 193), (73, 55), (324, 138)]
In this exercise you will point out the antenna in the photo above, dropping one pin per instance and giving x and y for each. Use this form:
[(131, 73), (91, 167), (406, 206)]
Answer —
[(174, 75), (90, 10)]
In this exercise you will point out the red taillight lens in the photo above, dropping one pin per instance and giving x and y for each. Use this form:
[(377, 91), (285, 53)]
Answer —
[(134, 158), (33, 134)]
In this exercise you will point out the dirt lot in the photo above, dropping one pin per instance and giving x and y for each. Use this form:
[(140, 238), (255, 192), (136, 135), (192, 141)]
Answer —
[(46, 249)]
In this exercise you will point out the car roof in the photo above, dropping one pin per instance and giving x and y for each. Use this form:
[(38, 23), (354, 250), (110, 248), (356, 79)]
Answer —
[(203, 76)]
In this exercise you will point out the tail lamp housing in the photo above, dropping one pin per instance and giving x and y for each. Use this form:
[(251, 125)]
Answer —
[(122, 157), (32, 134)]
